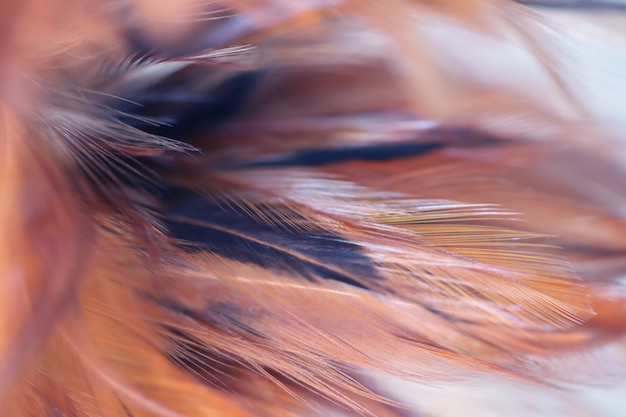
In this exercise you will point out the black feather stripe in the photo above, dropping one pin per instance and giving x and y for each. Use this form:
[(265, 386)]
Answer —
[(200, 224)]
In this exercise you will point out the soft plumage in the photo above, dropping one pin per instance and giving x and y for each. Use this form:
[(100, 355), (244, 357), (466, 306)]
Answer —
[(259, 208)]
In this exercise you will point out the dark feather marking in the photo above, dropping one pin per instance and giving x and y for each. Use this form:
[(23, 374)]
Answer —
[(222, 316), (325, 248), (200, 361), (331, 156), (177, 109), (425, 142)]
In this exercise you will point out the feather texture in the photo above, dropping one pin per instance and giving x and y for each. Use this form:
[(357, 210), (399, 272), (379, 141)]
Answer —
[(256, 208)]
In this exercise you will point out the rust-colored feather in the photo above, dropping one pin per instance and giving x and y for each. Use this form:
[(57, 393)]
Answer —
[(269, 208)]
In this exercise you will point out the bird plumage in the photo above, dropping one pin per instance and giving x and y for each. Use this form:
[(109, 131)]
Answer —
[(256, 208)]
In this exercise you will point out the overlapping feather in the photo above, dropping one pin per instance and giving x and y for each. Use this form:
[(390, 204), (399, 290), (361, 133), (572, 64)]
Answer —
[(245, 209)]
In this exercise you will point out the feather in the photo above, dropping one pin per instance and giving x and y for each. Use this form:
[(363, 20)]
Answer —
[(265, 208)]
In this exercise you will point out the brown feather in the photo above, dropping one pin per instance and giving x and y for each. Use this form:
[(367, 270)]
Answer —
[(256, 208)]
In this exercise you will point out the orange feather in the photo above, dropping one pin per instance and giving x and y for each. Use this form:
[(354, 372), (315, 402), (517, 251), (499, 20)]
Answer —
[(269, 208)]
